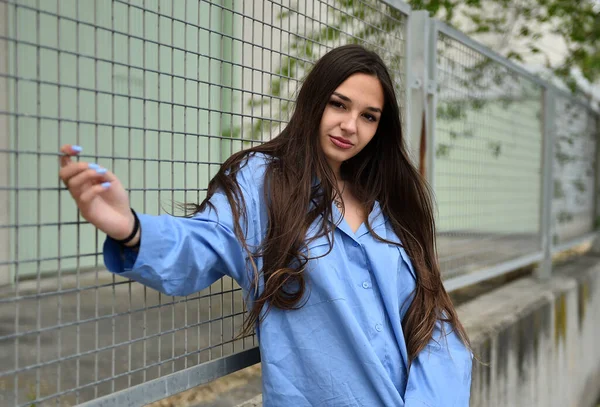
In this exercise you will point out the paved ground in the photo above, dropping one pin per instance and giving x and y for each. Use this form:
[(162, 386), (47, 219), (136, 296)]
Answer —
[(228, 391)]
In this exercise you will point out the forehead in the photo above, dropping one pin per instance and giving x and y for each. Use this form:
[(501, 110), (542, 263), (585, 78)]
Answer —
[(362, 89)]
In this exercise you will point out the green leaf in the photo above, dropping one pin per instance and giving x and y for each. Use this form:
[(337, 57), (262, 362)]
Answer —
[(276, 87), (231, 133), (495, 147), (443, 150)]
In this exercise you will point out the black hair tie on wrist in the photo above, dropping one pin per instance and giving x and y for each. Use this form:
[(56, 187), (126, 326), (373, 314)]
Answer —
[(136, 227)]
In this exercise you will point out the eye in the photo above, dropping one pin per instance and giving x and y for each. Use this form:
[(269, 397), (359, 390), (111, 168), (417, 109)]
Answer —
[(370, 117), (337, 104)]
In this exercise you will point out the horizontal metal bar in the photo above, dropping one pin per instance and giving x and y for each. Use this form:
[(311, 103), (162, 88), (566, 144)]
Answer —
[(57, 189), (482, 49), (490, 247), (132, 159), (177, 382), (145, 129), (70, 291), (147, 99), (399, 5), (41, 224), (469, 42), (473, 277), (61, 258), (574, 242), (122, 126)]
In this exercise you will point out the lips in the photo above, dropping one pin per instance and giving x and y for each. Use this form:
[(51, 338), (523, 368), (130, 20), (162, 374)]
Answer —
[(341, 142)]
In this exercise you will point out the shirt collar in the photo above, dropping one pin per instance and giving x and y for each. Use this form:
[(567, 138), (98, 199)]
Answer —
[(376, 219)]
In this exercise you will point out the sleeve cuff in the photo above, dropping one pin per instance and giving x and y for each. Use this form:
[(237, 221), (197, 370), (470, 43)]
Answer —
[(120, 259)]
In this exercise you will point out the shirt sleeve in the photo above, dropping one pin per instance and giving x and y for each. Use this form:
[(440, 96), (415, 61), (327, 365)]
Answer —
[(440, 376), (180, 256)]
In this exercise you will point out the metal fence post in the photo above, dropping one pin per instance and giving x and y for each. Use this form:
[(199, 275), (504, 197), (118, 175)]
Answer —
[(544, 270), (431, 90), (421, 86), (5, 272), (597, 173)]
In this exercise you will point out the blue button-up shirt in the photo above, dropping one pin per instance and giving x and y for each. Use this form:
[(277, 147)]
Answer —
[(345, 346)]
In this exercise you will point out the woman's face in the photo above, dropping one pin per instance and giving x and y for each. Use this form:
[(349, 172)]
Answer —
[(350, 118)]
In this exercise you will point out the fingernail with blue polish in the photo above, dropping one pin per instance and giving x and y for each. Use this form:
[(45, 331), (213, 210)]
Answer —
[(105, 185), (93, 166), (101, 170), (77, 149)]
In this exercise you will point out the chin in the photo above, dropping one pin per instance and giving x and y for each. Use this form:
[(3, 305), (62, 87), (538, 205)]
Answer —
[(337, 157)]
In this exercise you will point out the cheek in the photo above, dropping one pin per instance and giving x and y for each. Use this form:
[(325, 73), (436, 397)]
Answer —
[(326, 119)]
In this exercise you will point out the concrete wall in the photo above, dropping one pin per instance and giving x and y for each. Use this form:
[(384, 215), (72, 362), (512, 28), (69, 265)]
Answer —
[(537, 341)]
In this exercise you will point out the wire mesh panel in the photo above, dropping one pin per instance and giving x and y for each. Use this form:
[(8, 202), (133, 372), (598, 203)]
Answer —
[(160, 92), (284, 38), (573, 204), (488, 158)]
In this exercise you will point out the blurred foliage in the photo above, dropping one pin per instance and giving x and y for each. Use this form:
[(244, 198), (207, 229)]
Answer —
[(520, 24)]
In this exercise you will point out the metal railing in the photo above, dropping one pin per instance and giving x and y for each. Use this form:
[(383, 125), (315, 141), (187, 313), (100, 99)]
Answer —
[(162, 92)]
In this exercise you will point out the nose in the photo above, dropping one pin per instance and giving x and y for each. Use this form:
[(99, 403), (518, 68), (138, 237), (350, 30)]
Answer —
[(348, 124)]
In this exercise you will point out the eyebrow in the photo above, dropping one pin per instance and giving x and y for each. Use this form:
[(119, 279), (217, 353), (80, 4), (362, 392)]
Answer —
[(347, 99)]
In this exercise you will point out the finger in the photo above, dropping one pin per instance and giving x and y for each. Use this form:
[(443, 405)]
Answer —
[(86, 177), (67, 151), (89, 194), (110, 177), (73, 168)]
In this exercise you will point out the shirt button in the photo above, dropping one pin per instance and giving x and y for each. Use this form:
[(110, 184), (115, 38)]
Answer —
[(379, 327), (366, 285), (355, 244)]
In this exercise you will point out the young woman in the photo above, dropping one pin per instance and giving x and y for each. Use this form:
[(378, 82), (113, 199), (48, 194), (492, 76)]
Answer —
[(329, 230)]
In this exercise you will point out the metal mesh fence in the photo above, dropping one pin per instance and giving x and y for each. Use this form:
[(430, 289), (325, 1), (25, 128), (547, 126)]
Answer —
[(160, 92), (574, 171), (488, 160)]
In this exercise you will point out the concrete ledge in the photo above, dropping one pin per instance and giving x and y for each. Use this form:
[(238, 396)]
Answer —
[(538, 340)]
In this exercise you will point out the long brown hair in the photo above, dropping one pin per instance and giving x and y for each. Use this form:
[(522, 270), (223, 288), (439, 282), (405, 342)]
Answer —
[(381, 172)]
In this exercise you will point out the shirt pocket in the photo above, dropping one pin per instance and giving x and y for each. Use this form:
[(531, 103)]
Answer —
[(323, 279)]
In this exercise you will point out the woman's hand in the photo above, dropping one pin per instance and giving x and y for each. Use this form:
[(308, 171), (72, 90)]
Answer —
[(99, 195)]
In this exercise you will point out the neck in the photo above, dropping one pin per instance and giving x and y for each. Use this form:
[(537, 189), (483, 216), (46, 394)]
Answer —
[(335, 167)]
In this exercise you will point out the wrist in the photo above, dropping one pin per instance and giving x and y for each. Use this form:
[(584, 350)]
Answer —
[(136, 239), (133, 237)]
